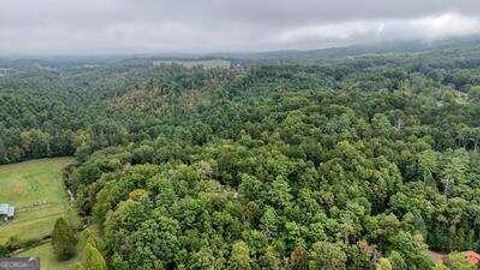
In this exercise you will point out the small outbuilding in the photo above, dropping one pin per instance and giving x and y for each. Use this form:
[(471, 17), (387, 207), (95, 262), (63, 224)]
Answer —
[(472, 257), (7, 211)]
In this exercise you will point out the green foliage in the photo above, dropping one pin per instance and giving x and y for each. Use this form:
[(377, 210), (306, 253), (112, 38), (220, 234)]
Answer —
[(77, 266), (63, 240), (397, 261), (326, 165), (474, 93), (384, 264), (88, 236), (458, 261), (412, 250), (93, 259), (3, 251), (240, 258), (327, 256)]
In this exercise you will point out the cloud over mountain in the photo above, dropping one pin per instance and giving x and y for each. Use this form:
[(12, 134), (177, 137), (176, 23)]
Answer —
[(148, 26)]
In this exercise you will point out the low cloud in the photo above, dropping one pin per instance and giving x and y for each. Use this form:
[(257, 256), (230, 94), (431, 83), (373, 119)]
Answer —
[(446, 25), (429, 29), (148, 26)]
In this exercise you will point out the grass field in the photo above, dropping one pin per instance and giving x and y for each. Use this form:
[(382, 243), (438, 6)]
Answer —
[(47, 261), (37, 191)]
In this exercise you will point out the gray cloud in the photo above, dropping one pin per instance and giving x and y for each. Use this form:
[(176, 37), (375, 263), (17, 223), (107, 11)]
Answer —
[(149, 26)]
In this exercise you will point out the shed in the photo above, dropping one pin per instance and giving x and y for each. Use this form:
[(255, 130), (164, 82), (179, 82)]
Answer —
[(472, 257), (7, 210)]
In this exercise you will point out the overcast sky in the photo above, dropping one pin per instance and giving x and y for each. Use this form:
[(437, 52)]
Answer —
[(199, 26)]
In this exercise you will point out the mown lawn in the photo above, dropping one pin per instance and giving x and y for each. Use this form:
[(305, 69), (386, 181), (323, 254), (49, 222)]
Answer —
[(36, 189), (47, 260)]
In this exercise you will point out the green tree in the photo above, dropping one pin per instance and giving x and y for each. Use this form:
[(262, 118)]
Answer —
[(63, 240), (240, 258), (412, 250), (397, 261), (474, 93), (455, 170), (88, 237), (326, 255), (203, 259), (93, 259), (384, 264), (458, 261)]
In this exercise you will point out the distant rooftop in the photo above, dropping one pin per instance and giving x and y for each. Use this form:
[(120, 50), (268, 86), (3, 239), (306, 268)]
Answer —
[(7, 210), (472, 257)]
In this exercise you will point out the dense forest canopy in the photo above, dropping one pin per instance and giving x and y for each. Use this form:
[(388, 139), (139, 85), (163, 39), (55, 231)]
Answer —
[(272, 163)]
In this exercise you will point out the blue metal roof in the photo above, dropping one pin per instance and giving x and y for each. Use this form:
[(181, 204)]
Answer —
[(7, 210)]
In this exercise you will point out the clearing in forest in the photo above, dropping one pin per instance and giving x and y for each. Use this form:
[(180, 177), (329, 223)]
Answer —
[(36, 190), (47, 260)]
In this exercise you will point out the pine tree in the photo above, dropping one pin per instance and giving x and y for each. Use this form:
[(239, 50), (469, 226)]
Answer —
[(63, 240)]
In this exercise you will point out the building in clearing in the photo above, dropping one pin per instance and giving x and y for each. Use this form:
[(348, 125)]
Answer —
[(7, 211)]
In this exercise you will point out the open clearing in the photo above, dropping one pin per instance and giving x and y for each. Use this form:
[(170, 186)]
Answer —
[(47, 260), (207, 64), (38, 193)]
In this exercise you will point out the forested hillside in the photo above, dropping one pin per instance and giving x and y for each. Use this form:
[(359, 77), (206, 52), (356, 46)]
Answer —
[(56, 107), (269, 164)]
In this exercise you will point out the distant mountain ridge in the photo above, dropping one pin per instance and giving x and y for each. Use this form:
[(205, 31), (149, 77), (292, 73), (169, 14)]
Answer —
[(358, 49)]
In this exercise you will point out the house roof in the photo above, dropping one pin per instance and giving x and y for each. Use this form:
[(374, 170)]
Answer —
[(472, 257), (7, 210)]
